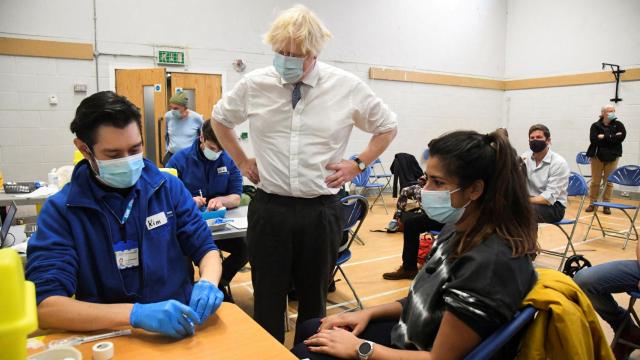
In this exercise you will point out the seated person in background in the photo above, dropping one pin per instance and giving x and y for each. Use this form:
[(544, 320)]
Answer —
[(214, 180), (547, 176), (475, 277), (600, 282), (415, 223), (115, 246)]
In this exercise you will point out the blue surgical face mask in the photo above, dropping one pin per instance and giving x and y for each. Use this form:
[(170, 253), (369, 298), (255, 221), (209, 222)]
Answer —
[(210, 154), (120, 173), (176, 114), (290, 68), (611, 116), (437, 206)]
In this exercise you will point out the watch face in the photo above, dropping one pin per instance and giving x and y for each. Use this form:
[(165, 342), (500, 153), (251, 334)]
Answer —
[(364, 348)]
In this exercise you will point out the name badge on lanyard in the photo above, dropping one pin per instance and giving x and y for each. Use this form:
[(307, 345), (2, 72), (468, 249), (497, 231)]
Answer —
[(126, 254), (223, 170)]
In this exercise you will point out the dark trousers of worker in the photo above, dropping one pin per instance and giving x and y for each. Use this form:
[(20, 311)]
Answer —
[(549, 213), (378, 331), (414, 225), (292, 242), (238, 257)]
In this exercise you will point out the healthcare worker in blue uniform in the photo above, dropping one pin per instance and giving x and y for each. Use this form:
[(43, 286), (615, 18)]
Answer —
[(115, 246), (214, 181)]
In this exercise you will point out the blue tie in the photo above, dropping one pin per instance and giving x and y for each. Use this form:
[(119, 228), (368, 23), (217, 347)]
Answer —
[(296, 95)]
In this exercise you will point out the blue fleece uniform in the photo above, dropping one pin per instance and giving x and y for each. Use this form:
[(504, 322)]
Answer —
[(215, 178), (79, 227)]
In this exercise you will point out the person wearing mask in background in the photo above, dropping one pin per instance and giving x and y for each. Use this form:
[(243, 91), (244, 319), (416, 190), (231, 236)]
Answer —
[(214, 181), (606, 136), (547, 176), (475, 277), (116, 246), (301, 113), (183, 125)]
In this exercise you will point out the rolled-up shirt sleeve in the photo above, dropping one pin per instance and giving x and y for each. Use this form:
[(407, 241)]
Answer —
[(558, 181), (370, 113), (231, 109)]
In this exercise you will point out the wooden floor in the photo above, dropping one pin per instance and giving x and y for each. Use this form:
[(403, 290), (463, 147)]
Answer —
[(382, 253)]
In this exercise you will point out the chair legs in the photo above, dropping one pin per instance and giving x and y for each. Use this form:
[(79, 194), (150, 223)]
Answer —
[(623, 235), (346, 279), (286, 315), (379, 196), (632, 312), (563, 255)]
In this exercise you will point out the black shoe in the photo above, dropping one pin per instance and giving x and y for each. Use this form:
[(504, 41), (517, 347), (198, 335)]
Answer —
[(606, 210), (589, 208), (332, 286)]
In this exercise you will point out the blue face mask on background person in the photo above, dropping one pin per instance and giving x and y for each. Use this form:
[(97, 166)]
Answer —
[(437, 205), (290, 68), (210, 154), (537, 145), (176, 113), (611, 116), (120, 173)]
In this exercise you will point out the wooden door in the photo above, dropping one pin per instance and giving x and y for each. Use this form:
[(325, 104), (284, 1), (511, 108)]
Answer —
[(146, 88), (205, 90)]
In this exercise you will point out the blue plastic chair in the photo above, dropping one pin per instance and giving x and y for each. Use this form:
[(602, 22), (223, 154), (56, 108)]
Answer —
[(634, 295), (355, 209), (425, 154), (577, 187), (583, 160), (628, 175), (382, 175), (491, 345), (362, 181)]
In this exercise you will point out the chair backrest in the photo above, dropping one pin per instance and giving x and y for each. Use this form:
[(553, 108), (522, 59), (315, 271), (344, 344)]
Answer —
[(582, 158), (355, 209), (498, 339), (627, 175), (577, 185), (376, 161), (362, 179)]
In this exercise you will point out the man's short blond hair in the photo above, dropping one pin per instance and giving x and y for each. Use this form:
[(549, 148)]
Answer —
[(300, 27)]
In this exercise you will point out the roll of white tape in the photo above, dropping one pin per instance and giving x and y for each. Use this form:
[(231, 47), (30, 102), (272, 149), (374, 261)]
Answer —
[(103, 350)]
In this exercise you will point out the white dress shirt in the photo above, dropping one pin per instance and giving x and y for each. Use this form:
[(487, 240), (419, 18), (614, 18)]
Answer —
[(293, 146), (549, 179)]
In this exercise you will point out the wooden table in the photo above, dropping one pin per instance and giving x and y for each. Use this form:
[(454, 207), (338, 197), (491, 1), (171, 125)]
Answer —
[(228, 334)]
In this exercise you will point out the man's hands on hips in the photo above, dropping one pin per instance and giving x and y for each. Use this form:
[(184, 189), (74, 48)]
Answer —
[(249, 168), (345, 171)]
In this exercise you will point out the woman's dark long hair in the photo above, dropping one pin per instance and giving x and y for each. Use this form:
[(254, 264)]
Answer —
[(503, 207)]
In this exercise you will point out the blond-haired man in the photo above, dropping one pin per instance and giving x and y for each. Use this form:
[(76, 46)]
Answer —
[(301, 113)]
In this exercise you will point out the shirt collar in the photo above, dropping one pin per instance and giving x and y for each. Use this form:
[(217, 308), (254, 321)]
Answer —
[(546, 159)]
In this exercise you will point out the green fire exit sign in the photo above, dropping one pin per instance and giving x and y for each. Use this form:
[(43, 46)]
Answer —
[(170, 57)]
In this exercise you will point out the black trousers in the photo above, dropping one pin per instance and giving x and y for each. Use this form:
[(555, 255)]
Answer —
[(549, 213), (414, 225), (292, 242), (378, 331), (238, 257)]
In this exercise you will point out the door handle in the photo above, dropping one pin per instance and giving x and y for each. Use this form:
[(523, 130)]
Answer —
[(160, 121)]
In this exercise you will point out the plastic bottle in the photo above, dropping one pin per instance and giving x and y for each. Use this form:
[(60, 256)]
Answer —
[(53, 178)]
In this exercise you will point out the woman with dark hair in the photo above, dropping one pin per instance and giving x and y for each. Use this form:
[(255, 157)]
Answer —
[(475, 277)]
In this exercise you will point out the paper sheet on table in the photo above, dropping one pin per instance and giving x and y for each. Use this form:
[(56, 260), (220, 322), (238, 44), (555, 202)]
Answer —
[(40, 192), (238, 223)]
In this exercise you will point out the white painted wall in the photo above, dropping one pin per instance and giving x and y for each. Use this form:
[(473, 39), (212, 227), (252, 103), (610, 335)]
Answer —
[(549, 37), (458, 36)]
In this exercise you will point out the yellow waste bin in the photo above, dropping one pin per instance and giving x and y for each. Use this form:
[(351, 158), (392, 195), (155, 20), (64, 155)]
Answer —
[(18, 317)]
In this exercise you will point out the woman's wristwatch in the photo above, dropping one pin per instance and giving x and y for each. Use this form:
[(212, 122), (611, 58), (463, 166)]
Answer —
[(365, 350), (360, 163)]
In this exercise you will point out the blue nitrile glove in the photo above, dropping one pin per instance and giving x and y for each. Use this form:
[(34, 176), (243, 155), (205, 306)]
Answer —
[(167, 317), (205, 299)]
